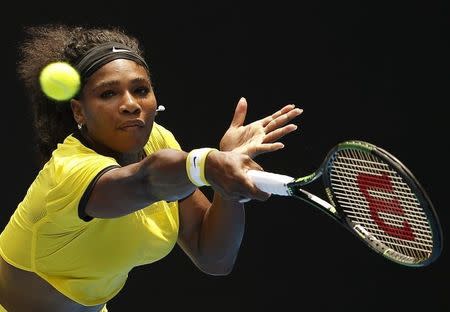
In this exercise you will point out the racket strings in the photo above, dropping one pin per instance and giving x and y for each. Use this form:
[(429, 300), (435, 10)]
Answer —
[(346, 192), (361, 212), (376, 197)]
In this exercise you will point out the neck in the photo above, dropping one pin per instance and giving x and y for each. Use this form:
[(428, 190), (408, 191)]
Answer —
[(122, 159), (128, 158)]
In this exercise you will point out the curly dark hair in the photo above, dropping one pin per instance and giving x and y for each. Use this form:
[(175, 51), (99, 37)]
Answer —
[(43, 44)]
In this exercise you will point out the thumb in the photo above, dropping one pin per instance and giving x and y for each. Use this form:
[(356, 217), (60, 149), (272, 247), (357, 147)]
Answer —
[(239, 113)]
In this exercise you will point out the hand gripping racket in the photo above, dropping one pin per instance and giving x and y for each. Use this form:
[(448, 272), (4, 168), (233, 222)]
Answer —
[(372, 194)]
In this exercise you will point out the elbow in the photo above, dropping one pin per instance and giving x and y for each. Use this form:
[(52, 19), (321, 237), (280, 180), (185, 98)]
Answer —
[(222, 271), (217, 271), (217, 268)]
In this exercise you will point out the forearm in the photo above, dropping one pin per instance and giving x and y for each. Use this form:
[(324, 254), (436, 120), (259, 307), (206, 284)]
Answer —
[(160, 176), (221, 235)]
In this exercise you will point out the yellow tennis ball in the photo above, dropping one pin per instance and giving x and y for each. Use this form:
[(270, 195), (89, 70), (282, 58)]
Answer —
[(59, 81)]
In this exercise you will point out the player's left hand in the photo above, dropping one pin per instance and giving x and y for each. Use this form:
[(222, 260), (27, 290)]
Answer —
[(260, 136)]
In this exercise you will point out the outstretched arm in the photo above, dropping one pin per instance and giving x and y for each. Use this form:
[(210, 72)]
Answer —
[(211, 234)]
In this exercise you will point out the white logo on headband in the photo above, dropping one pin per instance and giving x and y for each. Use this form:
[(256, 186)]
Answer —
[(119, 50)]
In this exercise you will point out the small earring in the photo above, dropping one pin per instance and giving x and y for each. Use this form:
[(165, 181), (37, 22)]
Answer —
[(80, 126)]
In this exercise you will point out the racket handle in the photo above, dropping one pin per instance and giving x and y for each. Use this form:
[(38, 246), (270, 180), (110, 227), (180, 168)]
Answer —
[(269, 182)]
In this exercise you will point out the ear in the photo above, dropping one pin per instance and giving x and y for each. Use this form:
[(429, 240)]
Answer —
[(77, 111)]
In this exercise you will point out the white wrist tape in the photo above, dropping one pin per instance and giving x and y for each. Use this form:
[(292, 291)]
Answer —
[(195, 165)]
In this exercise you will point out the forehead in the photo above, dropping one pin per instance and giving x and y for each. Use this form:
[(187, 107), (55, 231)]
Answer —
[(119, 69)]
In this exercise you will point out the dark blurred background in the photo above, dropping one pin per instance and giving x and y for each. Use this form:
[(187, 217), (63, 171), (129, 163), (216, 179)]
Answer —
[(360, 70)]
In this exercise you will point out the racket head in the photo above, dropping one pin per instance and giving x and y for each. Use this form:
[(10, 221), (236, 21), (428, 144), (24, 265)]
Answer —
[(383, 203)]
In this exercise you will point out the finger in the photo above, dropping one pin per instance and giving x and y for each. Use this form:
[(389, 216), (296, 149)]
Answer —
[(239, 113), (252, 165), (266, 148), (282, 120), (248, 189), (260, 195), (253, 193), (279, 133), (277, 114)]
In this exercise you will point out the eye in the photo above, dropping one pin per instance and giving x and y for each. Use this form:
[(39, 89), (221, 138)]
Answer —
[(142, 91), (107, 94)]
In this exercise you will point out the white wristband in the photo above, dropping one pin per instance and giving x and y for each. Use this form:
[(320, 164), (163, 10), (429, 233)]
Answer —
[(195, 165)]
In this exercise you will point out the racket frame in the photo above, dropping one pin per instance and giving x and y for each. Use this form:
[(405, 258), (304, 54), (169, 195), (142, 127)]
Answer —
[(332, 208)]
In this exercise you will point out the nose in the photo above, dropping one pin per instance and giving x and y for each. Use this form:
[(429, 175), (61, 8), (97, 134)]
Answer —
[(129, 104)]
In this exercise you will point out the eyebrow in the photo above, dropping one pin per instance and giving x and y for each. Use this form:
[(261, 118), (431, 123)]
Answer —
[(112, 83)]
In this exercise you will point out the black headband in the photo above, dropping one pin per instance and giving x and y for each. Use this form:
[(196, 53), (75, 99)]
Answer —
[(103, 54)]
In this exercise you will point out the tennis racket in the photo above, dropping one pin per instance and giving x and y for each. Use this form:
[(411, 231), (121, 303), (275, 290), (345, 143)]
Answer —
[(372, 194)]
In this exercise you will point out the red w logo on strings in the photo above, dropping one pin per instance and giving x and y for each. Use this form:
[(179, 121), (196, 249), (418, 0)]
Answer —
[(389, 205)]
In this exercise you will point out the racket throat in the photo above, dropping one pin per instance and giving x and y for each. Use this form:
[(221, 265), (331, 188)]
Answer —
[(315, 201)]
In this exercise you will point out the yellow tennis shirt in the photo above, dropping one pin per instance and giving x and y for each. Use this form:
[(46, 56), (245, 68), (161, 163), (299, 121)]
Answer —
[(88, 261)]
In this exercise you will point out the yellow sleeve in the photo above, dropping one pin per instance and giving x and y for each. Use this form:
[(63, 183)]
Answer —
[(72, 177)]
